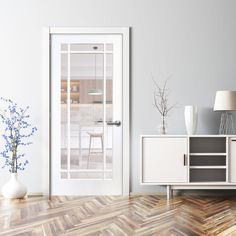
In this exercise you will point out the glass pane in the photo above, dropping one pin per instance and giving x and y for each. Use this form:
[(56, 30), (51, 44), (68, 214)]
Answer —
[(74, 92), (109, 110), (64, 175), (82, 111), (74, 143), (108, 175), (86, 175), (87, 47), (109, 47), (86, 113), (64, 47), (64, 143)]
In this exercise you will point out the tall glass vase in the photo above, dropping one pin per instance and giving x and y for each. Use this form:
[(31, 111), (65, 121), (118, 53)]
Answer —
[(163, 126)]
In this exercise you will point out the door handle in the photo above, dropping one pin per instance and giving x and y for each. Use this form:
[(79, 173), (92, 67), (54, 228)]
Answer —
[(184, 159), (98, 121), (116, 123)]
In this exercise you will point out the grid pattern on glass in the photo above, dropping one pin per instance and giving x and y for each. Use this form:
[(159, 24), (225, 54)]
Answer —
[(64, 47), (86, 47), (88, 144), (109, 47), (87, 66), (109, 110), (64, 175), (64, 144), (86, 175), (108, 175), (96, 174), (86, 133)]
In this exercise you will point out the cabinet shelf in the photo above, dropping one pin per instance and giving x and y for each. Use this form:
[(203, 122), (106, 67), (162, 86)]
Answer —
[(207, 167), (208, 154), (208, 174), (208, 160), (207, 145)]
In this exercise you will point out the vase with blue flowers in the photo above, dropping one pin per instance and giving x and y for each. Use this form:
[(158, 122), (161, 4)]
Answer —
[(17, 132)]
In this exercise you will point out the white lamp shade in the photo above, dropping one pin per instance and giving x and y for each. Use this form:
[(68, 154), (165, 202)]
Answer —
[(225, 101)]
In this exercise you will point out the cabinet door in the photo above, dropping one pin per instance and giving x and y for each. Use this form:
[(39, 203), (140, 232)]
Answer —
[(232, 160), (163, 160)]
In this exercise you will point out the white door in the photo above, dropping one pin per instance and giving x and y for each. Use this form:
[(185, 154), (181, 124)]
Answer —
[(86, 114), (164, 160)]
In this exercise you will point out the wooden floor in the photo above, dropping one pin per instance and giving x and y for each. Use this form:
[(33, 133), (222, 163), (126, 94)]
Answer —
[(137, 215)]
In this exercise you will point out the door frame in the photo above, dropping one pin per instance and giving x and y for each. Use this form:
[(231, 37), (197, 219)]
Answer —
[(46, 98)]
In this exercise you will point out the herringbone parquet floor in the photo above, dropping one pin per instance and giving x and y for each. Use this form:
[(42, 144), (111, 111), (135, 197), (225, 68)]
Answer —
[(106, 215)]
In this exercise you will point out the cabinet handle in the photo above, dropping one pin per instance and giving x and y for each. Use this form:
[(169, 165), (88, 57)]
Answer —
[(184, 159), (233, 140)]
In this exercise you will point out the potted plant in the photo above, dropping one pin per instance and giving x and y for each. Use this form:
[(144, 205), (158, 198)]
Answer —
[(17, 132)]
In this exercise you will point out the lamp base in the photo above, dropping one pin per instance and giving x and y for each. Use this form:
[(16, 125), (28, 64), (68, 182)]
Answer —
[(226, 123)]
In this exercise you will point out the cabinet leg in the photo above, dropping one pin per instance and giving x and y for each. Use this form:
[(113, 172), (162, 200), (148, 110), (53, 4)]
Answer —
[(168, 192)]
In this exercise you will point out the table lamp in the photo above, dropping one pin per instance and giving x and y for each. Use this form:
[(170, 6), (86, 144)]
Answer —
[(225, 101)]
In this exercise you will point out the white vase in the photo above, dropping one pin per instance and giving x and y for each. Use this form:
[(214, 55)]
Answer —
[(14, 188), (191, 114)]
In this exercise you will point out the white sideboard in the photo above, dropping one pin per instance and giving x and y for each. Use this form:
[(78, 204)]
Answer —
[(188, 162)]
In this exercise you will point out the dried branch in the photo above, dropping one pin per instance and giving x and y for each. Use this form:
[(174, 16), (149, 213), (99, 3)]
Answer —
[(161, 99)]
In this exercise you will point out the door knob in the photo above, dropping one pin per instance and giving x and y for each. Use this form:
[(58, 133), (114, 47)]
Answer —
[(116, 123)]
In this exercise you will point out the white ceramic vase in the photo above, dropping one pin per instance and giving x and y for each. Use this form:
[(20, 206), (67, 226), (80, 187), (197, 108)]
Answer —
[(191, 115), (14, 188)]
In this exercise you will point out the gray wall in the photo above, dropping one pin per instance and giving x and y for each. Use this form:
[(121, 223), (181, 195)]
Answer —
[(192, 40)]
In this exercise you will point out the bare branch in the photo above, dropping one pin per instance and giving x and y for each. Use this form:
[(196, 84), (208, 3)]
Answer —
[(171, 107), (161, 98)]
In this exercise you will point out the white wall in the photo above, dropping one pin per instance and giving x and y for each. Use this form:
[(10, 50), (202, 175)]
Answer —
[(194, 41)]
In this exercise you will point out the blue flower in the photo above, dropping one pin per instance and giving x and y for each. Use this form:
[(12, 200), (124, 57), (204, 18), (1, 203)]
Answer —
[(17, 131)]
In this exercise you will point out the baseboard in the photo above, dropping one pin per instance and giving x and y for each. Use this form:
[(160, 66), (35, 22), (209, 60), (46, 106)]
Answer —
[(206, 192), (147, 193), (39, 194), (176, 193)]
